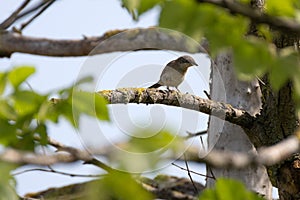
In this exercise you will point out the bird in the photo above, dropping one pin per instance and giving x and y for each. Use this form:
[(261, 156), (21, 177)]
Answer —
[(174, 72)]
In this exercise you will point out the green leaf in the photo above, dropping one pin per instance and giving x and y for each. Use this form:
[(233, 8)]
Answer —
[(281, 8), (186, 20), (146, 5), (25, 141), (138, 7), (196, 20), (147, 141), (278, 75), (83, 80), (7, 189), (7, 111), (117, 185), (101, 108), (8, 132), (41, 130), (27, 102), (218, 28), (19, 75), (131, 6), (146, 149), (228, 189), (252, 58), (284, 68), (247, 2), (89, 103), (64, 108), (3, 82), (296, 94)]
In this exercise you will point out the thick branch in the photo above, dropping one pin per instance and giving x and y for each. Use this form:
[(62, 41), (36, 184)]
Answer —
[(71, 155), (79, 154), (173, 98), (279, 23), (19, 157), (112, 41), (267, 156)]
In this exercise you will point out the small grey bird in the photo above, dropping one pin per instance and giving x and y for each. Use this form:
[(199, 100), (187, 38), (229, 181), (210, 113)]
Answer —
[(173, 73)]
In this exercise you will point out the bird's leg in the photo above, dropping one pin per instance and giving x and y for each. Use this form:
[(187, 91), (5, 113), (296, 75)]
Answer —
[(177, 89)]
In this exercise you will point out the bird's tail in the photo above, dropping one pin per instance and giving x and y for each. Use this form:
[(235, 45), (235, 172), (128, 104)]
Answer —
[(156, 85)]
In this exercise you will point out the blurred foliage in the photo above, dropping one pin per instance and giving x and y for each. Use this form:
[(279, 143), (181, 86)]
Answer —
[(146, 149), (252, 56), (228, 189), (118, 185), (282, 8), (138, 7), (7, 182), (24, 113)]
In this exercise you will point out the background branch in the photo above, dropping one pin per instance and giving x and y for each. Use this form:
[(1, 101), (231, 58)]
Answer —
[(13, 17), (47, 5), (111, 41), (266, 155), (279, 23), (33, 8)]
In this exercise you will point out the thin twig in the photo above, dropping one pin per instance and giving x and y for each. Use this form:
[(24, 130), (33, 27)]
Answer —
[(36, 15), (206, 93), (211, 172), (189, 174), (190, 135), (58, 172), (202, 143), (32, 9), (191, 171), (13, 17)]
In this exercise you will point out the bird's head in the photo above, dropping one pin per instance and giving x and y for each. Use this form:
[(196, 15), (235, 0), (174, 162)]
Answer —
[(187, 61)]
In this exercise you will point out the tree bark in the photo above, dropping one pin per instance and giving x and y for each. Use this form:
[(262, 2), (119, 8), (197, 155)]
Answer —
[(226, 136), (280, 120)]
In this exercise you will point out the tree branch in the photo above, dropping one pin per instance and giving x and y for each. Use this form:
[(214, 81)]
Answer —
[(71, 155), (47, 5), (279, 23), (111, 41), (20, 157), (33, 9), (173, 98), (79, 154), (13, 17), (266, 155)]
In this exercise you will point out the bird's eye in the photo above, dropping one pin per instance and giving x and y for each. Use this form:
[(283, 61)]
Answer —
[(183, 60)]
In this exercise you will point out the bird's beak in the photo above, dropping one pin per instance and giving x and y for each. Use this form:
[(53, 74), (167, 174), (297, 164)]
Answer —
[(194, 64)]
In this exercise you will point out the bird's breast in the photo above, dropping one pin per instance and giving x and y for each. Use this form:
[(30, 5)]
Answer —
[(171, 77)]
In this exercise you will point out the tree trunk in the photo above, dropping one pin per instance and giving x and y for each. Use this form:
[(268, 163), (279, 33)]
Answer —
[(226, 136), (280, 120)]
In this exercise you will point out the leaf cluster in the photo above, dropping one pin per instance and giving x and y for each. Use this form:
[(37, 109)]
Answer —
[(24, 113)]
